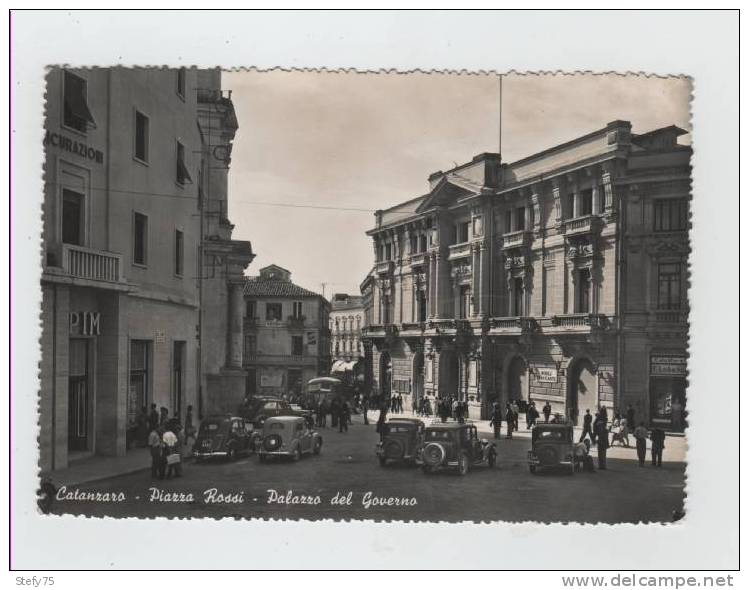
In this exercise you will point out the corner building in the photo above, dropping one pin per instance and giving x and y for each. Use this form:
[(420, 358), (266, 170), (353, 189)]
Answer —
[(561, 277)]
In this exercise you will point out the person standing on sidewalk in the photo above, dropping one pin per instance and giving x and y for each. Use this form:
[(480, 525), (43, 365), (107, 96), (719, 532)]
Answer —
[(547, 412), (155, 446), (641, 439), (587, 426), (510, 419), (630, 415), (658, 438), (602, 436), (343, 416), (496, 422)]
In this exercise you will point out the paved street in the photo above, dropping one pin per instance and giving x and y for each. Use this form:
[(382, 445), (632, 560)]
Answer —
[(623, 493)]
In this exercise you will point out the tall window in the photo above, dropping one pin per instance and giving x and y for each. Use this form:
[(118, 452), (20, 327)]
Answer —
[(414, 243), (273, 311), (297, 345), (570, 206), (141, 136), (465, 301), (297, 310), (138, 393), (669, 286), (516, 302), (586, 202), (508, 221), (388, 252), (140, 238), (183, 176), (76, 113), (179, 253), (670, 214), (520, 219), (582, 301), (385, 309), (250, 347), (422, 317), (463, 231), (249, 310), (181, 79), (422, 243), (178, 376), (72, 217)]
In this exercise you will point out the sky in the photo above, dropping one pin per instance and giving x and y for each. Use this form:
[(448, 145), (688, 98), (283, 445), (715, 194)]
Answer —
[(353, 143)]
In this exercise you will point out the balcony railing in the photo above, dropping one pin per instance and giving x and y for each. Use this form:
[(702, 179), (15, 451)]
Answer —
[(412, 327), (516, 239), (582, 225), (449, 325), (514, 325), (384, 267), (419, 259), (670, 316), (381, 331), (94, 265), (459, 251), (580, 321)]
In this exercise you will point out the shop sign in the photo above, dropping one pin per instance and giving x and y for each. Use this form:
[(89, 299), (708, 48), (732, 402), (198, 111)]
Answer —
[(662, 365), (85, 323), (271, 380), (73, 146), (547, 374), (311, 338)]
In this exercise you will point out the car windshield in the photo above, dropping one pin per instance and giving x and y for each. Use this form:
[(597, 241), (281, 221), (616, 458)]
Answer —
[(549, 435), (275, 426), (438, 435), (208, 427)]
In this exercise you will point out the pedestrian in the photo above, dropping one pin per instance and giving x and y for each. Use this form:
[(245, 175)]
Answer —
[(163, 415), (153, 418), (365, 409), (496, 422), (658, 443), (428, 407), (141, 428), (510, 419), (630, 415), (380, 428), (547, 412), (641, 436), (604, 414), (400, 403), (343, 416), (445, 410), (155, 446), (172, 450), (335, 411), (602, 436), (587, 426), (516, 415)]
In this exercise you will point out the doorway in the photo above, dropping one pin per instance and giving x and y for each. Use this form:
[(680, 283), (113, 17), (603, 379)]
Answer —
[(583, 394), (78, 396), (517, 380)]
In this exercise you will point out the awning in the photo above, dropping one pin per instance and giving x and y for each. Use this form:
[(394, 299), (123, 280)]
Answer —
[(343, 366)]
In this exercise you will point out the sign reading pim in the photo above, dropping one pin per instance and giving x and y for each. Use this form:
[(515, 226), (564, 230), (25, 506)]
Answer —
[(85, 323)]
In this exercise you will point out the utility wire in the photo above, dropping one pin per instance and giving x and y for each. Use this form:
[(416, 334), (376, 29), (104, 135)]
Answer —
[(195, 198)]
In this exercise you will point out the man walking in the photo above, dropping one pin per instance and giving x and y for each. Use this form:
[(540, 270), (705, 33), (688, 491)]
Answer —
[(155, 446), (587, 426), (343, 417), (510, 419), (547, 412), (516, 414), (602, 436), (641, 436), (496, 422), (630, 415), (658, 438)]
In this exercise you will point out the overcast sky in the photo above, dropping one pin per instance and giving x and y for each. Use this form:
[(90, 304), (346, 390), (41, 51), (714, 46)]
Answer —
[(369, 141)]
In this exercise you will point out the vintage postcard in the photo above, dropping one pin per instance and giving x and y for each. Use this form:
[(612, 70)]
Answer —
[(365, 296)]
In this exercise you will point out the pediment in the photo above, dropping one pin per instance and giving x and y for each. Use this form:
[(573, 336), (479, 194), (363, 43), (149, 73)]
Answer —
[(446, 192)]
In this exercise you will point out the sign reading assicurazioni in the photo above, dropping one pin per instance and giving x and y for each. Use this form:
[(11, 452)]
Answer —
[(73, 146)]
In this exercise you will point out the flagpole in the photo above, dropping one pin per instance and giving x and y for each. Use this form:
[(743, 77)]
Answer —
[(500, 115)]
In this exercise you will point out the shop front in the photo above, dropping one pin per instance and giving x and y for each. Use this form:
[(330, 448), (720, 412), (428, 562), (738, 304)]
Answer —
[(668, 384)]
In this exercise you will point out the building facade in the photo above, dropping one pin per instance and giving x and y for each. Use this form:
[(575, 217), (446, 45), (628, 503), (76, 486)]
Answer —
[(286, 334), (121, 255), (347, 321), (558, 278)]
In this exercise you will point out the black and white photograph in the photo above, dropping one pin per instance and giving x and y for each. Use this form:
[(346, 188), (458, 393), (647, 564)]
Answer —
[(332, 296)]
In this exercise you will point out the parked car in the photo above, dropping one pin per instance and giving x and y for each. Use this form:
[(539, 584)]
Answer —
[(553, 446), (455, 445), (402, 441), (223, 436), (308, 415), (288, 436), (259, 408)]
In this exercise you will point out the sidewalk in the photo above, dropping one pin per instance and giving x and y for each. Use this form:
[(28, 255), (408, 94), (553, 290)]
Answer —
[(99, 467)]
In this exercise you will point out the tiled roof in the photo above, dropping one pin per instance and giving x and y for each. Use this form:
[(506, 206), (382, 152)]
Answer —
[(259, 287)]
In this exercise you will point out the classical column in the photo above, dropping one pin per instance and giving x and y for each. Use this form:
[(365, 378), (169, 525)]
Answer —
[(557, 194), (528, 216), (475, 278), (236, 336), (439, 302), (480, 270), (430, 287), (596, 199)]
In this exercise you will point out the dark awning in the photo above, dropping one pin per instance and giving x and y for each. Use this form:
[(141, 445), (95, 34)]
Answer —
[(75, 100)]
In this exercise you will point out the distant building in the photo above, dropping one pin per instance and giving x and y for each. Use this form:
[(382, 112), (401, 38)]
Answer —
[(559, 278), (129, 154), (286, 334), (347, 320)]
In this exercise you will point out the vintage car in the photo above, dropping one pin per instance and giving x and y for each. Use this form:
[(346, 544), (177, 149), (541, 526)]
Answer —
[(553, 446), (288, 436), (257, 409), (402, 441), (224, 436), (455, 445)]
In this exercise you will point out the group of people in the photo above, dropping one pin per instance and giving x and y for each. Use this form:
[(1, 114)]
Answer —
[(339, 411), (167, 441), (511, 415)]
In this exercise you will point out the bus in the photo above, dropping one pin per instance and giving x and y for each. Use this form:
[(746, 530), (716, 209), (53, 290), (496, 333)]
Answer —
[(328, 388)]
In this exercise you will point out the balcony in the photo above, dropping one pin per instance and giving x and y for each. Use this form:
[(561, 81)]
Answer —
[(419, 260), (512, 326), (516, 239), (669, 316), (384, 267), (295, 323), (381, 331), (92, 265), (448, 326), (587, 224), (457, 251), (411, 329), (577, 323)]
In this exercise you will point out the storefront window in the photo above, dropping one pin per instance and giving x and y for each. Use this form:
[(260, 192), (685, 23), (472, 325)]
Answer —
[(138, 393), (78, 395)]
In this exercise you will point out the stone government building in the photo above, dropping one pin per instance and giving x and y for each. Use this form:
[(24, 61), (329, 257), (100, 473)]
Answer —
[(561, 277)]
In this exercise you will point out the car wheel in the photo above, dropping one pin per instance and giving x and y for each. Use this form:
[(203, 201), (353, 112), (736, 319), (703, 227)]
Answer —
[(492, 460), (318, 447), (532, 468), (383, 461), (463, 465)]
